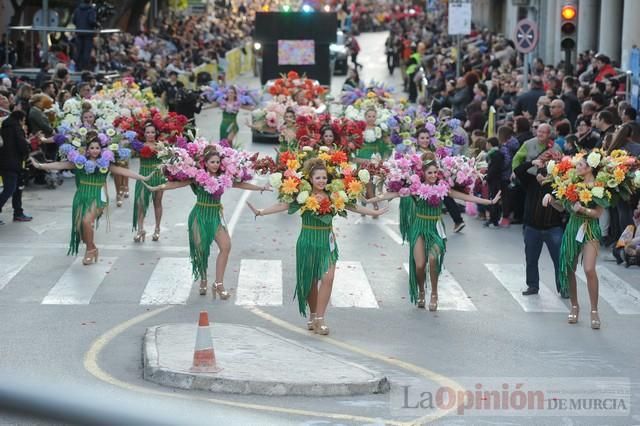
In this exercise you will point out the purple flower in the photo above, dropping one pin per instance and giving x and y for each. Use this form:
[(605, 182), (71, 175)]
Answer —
[(104, 139), (458, 139), (60, 139), (108, 156), (124, 153), (89, 166), (79, 160), (453, 123), (225, 143), (102, 162), (65, 149), (430, 128), (396, 139), (137, 145), (392, 122), (130, 134)]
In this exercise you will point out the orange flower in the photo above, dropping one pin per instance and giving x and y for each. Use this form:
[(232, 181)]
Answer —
[(292, 75), (325, 206), (572, 193), (354, 188), (619, 174), (565, 165), (312, 204), (290, 185), (286, 156), (339, 157)]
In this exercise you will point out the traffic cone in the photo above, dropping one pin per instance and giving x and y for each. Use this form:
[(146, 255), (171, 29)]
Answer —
[(204, 357)]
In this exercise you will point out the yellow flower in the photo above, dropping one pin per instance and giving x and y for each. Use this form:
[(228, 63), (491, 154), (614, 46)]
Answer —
[(338, 203), (324, 156), (619, 174), (312, 204), (293, 164), (585, 196), (355, 187), (560, 191), (289, 186)]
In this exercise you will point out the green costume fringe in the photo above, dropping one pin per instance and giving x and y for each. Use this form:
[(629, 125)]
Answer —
[(313, 256), (142, 196), (424, 225), (570, 249), (379, 146), (88, 197), (204, 220), (407, 214), (229, 124)]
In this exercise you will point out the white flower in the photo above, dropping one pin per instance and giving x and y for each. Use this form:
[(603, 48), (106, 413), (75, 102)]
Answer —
[(431, 119), (307, 148), (276, 180), (302, 197), (384, 126), (364, 176), (593, 159), (111, 132), (82, 131), (369, 135), (550, 166), (76, 142), (114, 147), (324, 148), (344, 196), (636, 179), (378, 132), (597, 191)]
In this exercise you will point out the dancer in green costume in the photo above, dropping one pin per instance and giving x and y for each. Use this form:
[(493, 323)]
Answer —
[(89, 200), (581, 235), (149, 166), (426, 236), (316, 249), (206, 225)]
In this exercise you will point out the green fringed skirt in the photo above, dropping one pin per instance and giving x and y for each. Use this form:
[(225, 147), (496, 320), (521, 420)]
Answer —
[(368, 149), (204, 220), (88, 198), (407, 214), (425, 225), (229, 124), (316, 252), (142, 196), (571, 248)]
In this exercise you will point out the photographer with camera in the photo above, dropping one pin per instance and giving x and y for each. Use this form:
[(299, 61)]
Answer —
[(84, 18)]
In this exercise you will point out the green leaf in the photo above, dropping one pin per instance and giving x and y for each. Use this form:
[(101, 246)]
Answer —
[(294, 207)]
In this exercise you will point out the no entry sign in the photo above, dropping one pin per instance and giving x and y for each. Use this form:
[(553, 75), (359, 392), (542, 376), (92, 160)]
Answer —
[(526, 36)]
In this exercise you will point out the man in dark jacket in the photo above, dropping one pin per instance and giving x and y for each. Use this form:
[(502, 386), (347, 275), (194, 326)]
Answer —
[(13, 152), (84, 18), (528, 101), (542, 225)]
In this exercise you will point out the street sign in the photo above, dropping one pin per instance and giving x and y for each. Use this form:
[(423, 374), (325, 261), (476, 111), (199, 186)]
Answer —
[(459, 18), (526, 36)]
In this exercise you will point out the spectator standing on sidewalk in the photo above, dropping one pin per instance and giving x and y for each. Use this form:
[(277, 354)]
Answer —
[(84, 18), (14, 151)]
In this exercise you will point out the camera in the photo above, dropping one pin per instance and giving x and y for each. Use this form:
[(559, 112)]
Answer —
[(104, 11)]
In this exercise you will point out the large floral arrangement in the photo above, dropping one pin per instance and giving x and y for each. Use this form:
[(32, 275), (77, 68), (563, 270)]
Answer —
[(617, 177), (449, 141), (170, 126), (291, 83), (349, 133), (187, 162), (375, 91), (381, 127), (346, 184), (219, 94), (402, 167), (405, 124), (460, 172), (270, 118), (73, 145)]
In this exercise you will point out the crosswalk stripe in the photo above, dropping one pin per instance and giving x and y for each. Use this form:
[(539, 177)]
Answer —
[(511, 278), (11, 266), (259, 283), (623, 298), (451, 296), (170, 282), (351, 287), (79, 283)]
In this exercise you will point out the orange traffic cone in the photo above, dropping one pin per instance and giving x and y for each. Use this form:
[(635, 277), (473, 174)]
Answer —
[(204, 358)]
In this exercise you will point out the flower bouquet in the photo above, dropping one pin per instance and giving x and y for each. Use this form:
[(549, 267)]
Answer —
[(460, 172), (291, 83), (73, 145), (401, 169), (219, 94)]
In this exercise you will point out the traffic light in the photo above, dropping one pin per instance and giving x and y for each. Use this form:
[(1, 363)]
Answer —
[(568, 26)]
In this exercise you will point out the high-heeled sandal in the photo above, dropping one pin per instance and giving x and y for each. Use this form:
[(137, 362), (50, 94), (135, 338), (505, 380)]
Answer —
[(573, 314), (126, 193), (310, 323), (433, 303), (119, 197), (90, 256), (421, 301), (319, 327), (218, 288), (140, 236), (203, 288), (156, 235), (595, 320)]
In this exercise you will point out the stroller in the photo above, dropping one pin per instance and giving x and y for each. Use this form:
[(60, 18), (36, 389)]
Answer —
[(44, 153)]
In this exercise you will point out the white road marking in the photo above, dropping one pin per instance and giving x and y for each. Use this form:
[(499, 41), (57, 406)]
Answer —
[(79, 283), (512, 277), (170, 282), (351, 287), (391, 233), (451, 296), (10, 267), (623, 298), (259, 283)]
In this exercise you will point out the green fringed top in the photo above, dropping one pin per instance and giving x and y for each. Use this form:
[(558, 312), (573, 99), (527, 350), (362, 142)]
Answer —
[(88, 197), (204, 220), (316, 252), (228, 124), (142, 196), (379, 146), (573, 241), (407, 214), (425, 225)]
